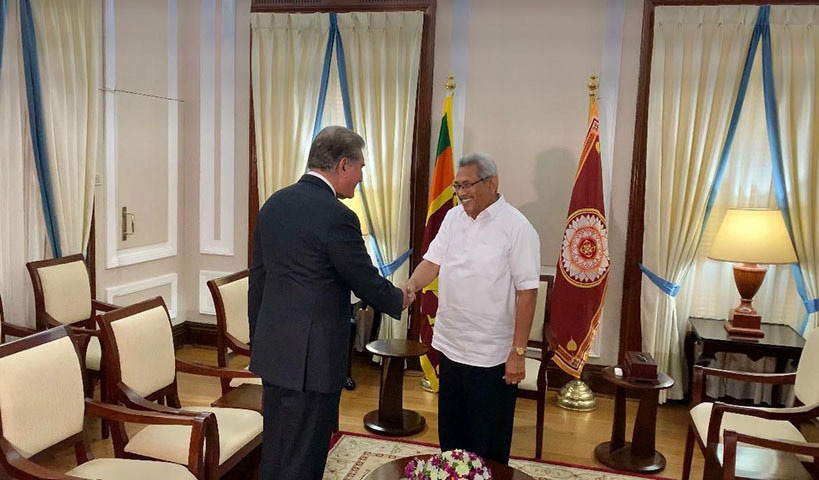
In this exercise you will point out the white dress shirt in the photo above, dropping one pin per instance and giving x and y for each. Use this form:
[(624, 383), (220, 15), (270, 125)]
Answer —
[(483, 261)]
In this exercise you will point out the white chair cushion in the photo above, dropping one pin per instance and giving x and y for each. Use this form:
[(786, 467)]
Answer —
[(41, 396), (806, 387), (241, 381), (146, 353), (536, 333), (530, 382), (66, 291), (234, 297), (93, 355), (759, 427), (122, 469), (237, 427)]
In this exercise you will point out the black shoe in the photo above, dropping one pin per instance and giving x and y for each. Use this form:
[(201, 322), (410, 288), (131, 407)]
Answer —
[(349, 384)]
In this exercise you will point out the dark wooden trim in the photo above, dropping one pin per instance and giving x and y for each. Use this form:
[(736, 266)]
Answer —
[(200, 334), (419, 176), (180, 335), (253, 190), (630, 327)]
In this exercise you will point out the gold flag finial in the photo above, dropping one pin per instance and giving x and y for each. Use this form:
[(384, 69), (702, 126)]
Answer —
[(593, 85), (450, 84)]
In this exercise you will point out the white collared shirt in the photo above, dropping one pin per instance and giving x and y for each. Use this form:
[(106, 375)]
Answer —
[(483, 261), (319, 175)]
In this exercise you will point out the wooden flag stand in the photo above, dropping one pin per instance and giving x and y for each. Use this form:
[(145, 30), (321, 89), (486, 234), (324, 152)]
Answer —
[(576, 395)]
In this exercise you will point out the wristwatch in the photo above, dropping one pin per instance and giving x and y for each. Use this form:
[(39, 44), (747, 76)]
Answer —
[(521, 351)]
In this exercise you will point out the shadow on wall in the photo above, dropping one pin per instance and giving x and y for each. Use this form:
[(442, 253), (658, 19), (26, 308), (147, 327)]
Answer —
[(553, 180)]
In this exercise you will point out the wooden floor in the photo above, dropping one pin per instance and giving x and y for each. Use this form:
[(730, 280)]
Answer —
[(569, 436)]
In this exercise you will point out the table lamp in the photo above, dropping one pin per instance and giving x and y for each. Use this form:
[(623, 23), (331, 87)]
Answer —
[(751, 237)]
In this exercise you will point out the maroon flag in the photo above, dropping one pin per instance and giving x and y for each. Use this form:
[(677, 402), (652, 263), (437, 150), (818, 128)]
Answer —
[(583, 266)]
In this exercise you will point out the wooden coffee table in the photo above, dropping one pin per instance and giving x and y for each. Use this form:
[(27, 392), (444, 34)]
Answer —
[(395, 469), (247, 396)]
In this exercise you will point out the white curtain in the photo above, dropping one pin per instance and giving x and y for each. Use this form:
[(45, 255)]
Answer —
[(795, 47), (22, 232), (382, 52), (287, 56), (697, 61), (709, 289), (69, 50)]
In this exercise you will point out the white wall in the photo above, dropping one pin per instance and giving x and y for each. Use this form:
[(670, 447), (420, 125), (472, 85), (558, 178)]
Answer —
[(521, 67)]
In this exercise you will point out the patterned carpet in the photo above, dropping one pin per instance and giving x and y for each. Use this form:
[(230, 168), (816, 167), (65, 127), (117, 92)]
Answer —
[(353, 456)]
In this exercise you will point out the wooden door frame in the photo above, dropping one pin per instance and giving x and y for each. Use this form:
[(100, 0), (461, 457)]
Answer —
[(419, 177)]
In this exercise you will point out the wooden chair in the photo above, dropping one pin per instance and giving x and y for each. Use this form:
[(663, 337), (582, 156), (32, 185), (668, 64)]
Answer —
[(63, 296), (10, 329), (761, 458), (539, 351), (707, 420), (229, 295), (42, 404), (142, 369)]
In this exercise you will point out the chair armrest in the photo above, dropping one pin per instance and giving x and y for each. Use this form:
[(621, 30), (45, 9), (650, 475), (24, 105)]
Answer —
[(210, 371), (204, 429), (22, 468), (100, 306), (788, 467), (17, 331), (238, 346), (795, 415)]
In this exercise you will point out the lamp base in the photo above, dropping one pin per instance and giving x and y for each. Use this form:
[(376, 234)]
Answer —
[(744, 325)]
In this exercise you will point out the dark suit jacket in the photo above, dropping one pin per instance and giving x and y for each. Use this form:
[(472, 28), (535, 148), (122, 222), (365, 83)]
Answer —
[(308, 254)]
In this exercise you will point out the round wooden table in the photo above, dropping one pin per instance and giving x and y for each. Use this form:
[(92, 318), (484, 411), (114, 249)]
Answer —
[(391, 418), (395, 469), (638, 455)]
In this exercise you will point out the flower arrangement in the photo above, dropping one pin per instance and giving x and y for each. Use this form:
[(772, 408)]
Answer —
[(449, 465)]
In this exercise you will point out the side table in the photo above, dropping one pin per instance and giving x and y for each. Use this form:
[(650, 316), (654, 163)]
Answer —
[(391, 418), (780, 341), (639, 455)]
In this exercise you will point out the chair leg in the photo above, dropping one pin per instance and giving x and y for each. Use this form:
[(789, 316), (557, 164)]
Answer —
[(689, 453), (541, 406), (104, 430)]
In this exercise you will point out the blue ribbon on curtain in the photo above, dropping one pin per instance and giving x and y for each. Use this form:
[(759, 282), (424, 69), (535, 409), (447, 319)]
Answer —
[(325, 76), (669, 288), (2, 30), (386, 269), (732, 127), (775, 145), (36, 123)]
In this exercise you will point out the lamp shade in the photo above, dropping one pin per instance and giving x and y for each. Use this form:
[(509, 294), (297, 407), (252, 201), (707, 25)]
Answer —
[(753, 236)]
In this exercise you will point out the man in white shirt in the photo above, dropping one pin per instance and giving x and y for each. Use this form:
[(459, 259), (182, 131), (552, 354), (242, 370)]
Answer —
[(487, 260)]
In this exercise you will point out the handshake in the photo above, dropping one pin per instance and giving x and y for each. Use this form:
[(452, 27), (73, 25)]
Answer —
[(409, 295)]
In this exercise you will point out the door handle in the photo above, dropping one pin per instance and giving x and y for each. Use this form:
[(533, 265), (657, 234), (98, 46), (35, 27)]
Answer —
[(127, 220)]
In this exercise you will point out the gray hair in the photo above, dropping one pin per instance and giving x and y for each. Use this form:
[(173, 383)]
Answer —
[(331, 145), (486, 166)]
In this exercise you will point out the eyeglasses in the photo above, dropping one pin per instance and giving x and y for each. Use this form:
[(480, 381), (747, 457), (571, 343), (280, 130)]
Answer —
[(467, 186)]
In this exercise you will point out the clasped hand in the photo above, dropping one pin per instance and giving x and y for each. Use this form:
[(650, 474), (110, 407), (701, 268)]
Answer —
[(409, 296)]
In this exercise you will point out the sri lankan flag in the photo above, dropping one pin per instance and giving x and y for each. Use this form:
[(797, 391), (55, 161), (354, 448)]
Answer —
[(583, 266), (441, 199)]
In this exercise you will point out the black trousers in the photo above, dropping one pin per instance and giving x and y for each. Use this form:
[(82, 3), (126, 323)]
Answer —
[(476, 409), (297, 430)]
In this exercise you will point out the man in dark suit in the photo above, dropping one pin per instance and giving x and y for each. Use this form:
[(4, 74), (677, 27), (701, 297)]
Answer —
[(308, 254)]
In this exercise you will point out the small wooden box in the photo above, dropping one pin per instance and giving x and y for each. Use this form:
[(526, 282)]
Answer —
[(640, 367)]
